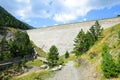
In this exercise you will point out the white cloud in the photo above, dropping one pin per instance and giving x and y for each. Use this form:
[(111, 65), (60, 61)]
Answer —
[(84, 19), (76, 8), (58, 10), (63, 17)]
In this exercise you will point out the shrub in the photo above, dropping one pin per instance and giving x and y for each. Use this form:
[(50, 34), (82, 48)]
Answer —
[(67, 54)]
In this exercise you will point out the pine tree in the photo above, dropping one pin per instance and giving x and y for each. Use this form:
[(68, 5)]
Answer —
[(93, 34), (67, 54), (108, 65), (98, 29), (79, 47), (118, 62), (20, 45), (53, 56), (4, 49)]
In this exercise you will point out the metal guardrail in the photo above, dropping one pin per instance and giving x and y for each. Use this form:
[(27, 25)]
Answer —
[(14, 60)]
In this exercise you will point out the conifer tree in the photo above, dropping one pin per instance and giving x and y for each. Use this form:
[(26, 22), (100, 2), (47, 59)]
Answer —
[(66, 54), (53, 56), (4, 49), (108, 65), (118, 62), (98, 29), (21, 44), (79, 46)]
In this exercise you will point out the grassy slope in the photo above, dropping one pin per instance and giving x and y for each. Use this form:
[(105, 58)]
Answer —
[(39, 51), (35, 62), (40, 75), (93, 56)]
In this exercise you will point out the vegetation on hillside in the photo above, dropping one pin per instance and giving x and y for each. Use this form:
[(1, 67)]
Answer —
[(93, 57), (67, 54), (7, 20), (53, 56), (39, 51), (108, 66), (84, 41), (18, 46)]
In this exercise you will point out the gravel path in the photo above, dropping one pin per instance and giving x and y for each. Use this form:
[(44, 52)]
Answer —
[(68, 72)]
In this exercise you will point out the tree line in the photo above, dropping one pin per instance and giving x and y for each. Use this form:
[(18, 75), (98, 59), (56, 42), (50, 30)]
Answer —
[(7, 20), (84, 41), (18, 46)]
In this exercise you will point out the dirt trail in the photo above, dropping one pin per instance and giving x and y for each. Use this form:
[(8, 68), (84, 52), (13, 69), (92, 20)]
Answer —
[(69, 72)]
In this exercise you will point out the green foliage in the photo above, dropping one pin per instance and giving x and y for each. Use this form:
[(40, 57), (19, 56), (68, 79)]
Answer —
[(42, 75), (118, 15), (118, 62), (21, 44), (7, 20), (34, 62), (119, 34), (4, 49), (23, 61), (60, 61), (108, 66), (95, 32), (79, 46), (39, 51), (84, 41), (67, 54), (53, 56), (9, 72)]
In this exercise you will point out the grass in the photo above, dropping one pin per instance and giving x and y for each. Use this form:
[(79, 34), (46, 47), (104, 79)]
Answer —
[(39, 51), (109, 37), (42, 75), (97, 47), (35, 62), (72, 57), (76, 64)]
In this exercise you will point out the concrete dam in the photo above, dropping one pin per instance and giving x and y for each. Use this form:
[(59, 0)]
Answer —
[(62, 36)]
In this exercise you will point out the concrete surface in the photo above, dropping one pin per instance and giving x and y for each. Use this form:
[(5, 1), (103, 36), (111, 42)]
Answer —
[(63, 36)]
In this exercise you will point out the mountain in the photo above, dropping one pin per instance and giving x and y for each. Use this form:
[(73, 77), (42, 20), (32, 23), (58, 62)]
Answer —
[(7, 20)]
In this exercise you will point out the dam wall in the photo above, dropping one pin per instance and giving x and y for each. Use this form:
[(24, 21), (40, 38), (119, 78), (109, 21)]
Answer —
[(62, 36)]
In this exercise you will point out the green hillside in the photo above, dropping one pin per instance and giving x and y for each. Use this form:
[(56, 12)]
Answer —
[(93, 57), (7, 20)]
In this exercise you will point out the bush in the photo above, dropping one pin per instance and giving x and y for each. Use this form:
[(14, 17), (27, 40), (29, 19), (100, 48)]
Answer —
[(67, 54), (108, 66), (60, 62)]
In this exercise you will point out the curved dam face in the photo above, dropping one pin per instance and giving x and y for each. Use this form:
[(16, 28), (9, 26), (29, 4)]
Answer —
[(62, 36)]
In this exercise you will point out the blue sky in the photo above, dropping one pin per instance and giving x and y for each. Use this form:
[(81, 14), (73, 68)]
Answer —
[(42, 13)]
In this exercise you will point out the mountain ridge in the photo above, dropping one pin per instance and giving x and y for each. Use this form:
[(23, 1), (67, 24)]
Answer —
[(8, 20)]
